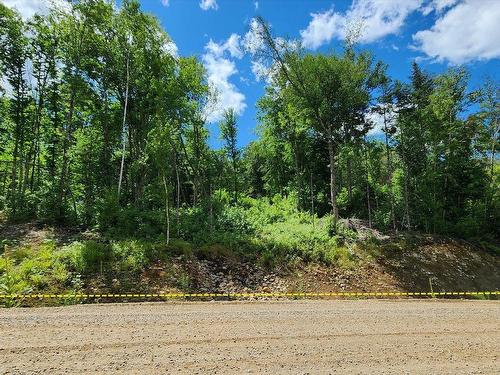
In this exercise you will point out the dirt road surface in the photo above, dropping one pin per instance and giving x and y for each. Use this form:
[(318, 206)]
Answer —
[(371, 336)]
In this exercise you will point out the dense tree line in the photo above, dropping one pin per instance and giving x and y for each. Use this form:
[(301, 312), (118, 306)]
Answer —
[(100, 113), (434, 168), (101, 124)]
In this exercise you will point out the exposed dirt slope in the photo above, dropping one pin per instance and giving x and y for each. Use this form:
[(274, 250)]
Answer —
[(390, 263), (451, 265), (394, 264)]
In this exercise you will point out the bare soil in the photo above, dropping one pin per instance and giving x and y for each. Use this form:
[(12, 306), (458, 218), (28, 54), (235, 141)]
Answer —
[(323, 336), (397, 263)]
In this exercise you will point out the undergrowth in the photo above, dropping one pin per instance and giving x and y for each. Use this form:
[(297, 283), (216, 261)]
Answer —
[(269, 232)]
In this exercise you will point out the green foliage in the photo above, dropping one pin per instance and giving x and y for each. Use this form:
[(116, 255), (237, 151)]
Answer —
[(178, 247), (234, 219), (277, 209), (86, 257), (228, 131), (126, 256), (62, 160), (107, 131), (33, 270), (276, 232), (297, 239), (183, 282)]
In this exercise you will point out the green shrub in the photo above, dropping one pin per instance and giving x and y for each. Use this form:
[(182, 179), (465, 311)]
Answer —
[(297, 239), (6, 263), (20, 253), (468, 227), (109, 211), (214, 252), (37, 270), (193, 225), (263, 211), (183, 282), (130, 256), (234, 219), (178, 247), (86, 257), (269, 231)]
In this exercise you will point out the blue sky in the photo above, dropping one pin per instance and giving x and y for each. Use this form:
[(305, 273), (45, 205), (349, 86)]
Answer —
[(438, 33)]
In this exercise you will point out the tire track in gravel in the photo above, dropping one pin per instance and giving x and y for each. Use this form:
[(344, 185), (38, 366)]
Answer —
[(322, 336)]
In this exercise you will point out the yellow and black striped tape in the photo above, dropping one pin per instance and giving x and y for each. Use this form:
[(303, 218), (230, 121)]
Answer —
[(244, 295)]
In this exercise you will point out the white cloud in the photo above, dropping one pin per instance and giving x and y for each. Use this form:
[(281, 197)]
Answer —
[(245, 80), (377, 17), (259, 70), (437, 5), (377, 119), (28, 8), (284, 45), (209, 4), (214, 48), (231, 45), (265, 72), (467, 32), (322, 29), (219, 70), (165, 3), (171, 48), (253, 43), (256, 5), (253, 40), (382, 17), (5, 87)]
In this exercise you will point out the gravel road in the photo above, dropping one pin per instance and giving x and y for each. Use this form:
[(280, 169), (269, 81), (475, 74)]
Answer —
[(370, 336)]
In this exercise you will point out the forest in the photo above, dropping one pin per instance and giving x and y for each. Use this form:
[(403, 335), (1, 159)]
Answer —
[(104, 128)]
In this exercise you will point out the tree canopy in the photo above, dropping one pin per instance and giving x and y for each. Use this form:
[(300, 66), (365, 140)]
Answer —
[(102, 126)]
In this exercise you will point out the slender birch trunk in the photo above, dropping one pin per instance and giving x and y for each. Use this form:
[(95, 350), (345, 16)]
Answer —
[(167, 214)]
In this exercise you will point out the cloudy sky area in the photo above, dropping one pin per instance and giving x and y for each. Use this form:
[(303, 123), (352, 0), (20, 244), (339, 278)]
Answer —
[(436, 33)]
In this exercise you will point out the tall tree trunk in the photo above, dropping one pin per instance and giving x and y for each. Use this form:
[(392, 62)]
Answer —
[(333, 177), (35, 154), (298, 173), (406, 182), (235, 179), (53, 138), (407, 199), (312, 199), (15, 156), (66, 141), (368, 200), (42, 82), (124, 136), (167, 214), (13, 186), (106, 156), (349, 178), (177, 195), (210, 207), (490, 194), (492, 157), (27, 168), (389, 172), (195, 191)]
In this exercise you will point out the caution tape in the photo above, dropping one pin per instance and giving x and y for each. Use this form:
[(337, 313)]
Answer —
[(243, 295)]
